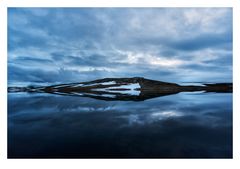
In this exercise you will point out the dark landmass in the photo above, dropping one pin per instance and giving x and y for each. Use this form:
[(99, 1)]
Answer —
[(126, 89)]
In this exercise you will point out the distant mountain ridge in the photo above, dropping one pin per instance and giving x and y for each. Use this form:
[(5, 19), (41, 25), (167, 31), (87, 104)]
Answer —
[(136, 88)]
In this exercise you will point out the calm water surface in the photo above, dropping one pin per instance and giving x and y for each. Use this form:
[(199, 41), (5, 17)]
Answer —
[(184, 125)]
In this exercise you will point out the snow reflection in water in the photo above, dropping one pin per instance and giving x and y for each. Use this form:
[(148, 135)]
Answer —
[(83, 127)]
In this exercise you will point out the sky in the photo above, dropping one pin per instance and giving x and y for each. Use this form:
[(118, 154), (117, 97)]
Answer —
[(64, 45)]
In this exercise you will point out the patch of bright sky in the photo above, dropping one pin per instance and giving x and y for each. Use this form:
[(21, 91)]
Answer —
[(63, 45)]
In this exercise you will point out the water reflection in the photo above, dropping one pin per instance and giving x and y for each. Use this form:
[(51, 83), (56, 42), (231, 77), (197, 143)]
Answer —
[(188, 125)]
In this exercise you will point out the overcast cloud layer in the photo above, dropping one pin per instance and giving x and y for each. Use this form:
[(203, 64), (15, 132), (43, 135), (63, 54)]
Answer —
[(61, 45)]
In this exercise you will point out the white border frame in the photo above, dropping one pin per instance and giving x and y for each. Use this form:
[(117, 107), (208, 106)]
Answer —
[(115, 163)]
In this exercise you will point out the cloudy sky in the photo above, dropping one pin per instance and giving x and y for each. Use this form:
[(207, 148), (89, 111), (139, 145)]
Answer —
[(56, 45)]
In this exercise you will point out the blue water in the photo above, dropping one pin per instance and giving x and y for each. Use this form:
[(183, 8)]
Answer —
[(184, 125)]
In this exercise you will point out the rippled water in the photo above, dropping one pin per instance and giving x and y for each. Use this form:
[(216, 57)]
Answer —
[(184, 125)]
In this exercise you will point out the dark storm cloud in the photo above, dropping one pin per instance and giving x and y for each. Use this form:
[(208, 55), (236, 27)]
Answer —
[(189, 43), (202, 41), (23, 59), (79, 44)]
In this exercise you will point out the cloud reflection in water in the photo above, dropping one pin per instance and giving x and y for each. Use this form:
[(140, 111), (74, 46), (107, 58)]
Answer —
[(181, 125)]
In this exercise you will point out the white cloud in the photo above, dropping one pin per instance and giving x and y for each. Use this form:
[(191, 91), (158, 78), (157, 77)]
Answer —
[(126, 41), (148, 59), (206, 20)]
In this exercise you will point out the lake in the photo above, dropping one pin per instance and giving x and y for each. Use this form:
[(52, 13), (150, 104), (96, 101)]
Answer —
[(183, 125)]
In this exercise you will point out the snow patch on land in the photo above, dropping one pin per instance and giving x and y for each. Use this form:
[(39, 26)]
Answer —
[(58, 86), (191, 84), (95, 84), (79, 85), (108, 83)]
